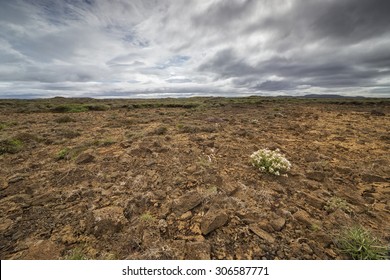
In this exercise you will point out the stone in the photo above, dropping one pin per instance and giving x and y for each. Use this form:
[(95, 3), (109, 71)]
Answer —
[(318, 176), (85, 158), (107, 220), (230, 189), (186, 215), (303, 217), (187, 202), (16, 178), (261, 233), (198, 251), (314, 201), (5, 224), (278, 223), (371, 178), (213, 220), (44, 250), (250, 217)]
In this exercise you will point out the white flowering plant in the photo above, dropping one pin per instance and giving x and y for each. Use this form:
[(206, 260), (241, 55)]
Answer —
[(270, 161)]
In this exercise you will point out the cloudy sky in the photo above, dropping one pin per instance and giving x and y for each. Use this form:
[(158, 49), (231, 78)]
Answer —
[(160, 48)]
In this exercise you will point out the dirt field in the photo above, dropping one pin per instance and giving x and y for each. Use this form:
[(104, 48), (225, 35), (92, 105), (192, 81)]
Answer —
[(172, 179)]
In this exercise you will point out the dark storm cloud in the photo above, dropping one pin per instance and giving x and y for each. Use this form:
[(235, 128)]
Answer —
[(224, 13), (352, 20), (274, 86), (227, 64), (119, 47), (334, 26)]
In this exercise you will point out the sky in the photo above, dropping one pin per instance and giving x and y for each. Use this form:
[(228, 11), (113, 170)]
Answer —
[(182, 48)]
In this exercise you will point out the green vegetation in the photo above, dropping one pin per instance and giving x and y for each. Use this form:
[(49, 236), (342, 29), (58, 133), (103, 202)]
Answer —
[(78, 108), (74, 152), (4, 125), (97, 107), (10, 146), (337, 203), (359, 244), (69, 108), (63, 154), (64, 119), (153, 104), (147, 217), (69, 134), (161, 130), (76, 254), (74, 105)]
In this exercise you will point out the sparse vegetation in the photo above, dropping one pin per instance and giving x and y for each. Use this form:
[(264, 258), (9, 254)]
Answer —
[(187, 128), (76, 254), (64, 119), (63, 154), (360, 244), (147, 217), (69, 134), (105, 142), (10, 146), (338, 203), (69, 108), (4, 125), (97, 107), (195, 129), (270, 161), (160, 130)]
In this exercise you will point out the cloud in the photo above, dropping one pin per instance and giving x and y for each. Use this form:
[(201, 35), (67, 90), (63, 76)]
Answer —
[(178, 48)]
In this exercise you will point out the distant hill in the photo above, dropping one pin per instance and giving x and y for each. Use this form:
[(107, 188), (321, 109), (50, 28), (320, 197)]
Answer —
[(329, 96)]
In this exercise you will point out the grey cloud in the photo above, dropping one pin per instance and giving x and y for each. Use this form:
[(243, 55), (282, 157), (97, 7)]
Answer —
[(226, 63), (274, 85), (351, 20), (99, 47), (224, 13), (178, 81)]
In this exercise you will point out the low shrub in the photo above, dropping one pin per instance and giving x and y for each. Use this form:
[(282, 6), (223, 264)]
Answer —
[(360, 244), (10, 146), (270, 161)]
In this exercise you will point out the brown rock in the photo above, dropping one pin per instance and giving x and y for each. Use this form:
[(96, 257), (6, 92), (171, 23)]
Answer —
[(265, 225), (198, 251), (5, 224), (316, 176), (106, 220), (230, 189), (187, 202), (370, 178), (84, 158), (250, 217), (261, 233), (303, 217), (314, 201), (278, 223), (186, 215), (15, 178), (44, 250), (212, 220)]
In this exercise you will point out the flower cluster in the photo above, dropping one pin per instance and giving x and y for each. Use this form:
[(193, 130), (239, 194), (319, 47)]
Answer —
[(270, 161)]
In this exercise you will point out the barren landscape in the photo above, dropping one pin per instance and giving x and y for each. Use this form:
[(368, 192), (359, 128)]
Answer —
[(172, 178)]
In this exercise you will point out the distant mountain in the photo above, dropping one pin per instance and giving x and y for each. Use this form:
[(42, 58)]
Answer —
[(329, 96)]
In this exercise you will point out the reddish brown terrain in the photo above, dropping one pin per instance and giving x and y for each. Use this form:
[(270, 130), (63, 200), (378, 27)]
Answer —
[(172, 179)]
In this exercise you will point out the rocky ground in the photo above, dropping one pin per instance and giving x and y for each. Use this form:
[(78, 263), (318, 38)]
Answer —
[(175, 182)]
